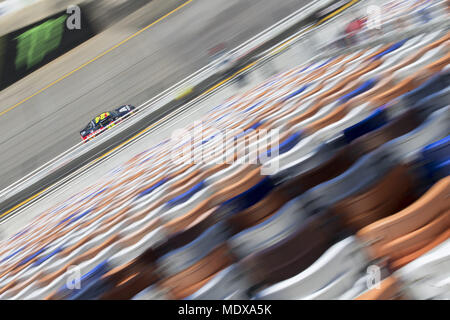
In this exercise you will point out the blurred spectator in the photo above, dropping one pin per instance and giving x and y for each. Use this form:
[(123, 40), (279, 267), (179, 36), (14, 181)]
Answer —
[(353, 28), (424, 13)]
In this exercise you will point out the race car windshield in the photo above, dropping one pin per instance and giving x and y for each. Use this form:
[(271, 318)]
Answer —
[(125, 108)]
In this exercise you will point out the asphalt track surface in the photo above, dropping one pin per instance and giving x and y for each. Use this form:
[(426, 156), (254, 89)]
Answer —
[(48, 123)]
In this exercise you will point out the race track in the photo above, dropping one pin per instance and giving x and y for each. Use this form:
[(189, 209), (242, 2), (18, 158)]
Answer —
[(47, 124)]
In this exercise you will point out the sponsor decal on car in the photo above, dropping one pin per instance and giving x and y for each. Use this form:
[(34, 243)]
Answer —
[(130, 110)]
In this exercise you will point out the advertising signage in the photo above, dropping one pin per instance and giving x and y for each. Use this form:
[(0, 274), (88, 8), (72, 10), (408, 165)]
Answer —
[(25, 50)]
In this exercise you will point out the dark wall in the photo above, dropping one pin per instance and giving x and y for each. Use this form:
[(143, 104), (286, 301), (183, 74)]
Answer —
[(26, 50), (104, 13)]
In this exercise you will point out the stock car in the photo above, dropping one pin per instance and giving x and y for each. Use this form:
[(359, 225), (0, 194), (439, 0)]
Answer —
[(105, 121)]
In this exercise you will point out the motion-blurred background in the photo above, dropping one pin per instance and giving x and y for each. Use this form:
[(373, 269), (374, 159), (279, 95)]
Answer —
[(358, 206)]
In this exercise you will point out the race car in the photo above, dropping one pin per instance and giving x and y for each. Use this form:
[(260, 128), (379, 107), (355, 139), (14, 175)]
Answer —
[(105, 121)]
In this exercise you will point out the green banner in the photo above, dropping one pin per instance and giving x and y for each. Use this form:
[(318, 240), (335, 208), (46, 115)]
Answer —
[(27, 49), (34, 44)]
